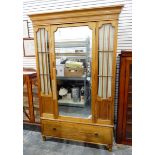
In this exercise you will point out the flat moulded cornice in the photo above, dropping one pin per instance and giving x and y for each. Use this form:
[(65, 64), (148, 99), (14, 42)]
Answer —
[(96, 11)]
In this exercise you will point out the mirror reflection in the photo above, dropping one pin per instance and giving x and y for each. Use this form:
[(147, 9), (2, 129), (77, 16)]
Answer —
[(73, 48)]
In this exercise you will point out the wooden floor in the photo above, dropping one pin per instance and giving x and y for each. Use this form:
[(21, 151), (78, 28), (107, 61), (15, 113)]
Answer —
[(33, 145)]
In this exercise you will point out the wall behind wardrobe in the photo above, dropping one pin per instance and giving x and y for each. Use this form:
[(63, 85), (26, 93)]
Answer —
[(124, 27)]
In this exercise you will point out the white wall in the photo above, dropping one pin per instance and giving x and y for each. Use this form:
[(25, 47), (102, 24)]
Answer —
[(124, 27)]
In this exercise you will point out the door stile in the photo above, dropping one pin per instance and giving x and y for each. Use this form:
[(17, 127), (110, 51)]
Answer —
[(53, 71), (35, 29), (94, 71), (115, 25)]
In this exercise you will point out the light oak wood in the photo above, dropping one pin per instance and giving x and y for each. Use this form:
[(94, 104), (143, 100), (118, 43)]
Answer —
[(53, 64), (99, 128), (114, 68), (106, 109), (94, 58), (99, 122), (75, 131), (46, 103), (74, 16), (35, 29), (44, 138)]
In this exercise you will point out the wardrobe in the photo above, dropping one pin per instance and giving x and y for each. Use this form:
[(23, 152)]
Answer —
[(67, 28), (124, 123)]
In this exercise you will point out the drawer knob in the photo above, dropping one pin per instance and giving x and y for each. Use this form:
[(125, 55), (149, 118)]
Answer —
[(96, 134), (54, 129)]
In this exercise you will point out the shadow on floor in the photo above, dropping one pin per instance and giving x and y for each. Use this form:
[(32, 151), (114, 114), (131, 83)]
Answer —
[(34, 145)]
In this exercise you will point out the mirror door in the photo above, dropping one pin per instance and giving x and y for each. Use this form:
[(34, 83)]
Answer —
[(72, 46)]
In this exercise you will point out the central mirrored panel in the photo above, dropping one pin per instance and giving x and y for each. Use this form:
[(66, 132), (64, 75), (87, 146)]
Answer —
[(73, 50)]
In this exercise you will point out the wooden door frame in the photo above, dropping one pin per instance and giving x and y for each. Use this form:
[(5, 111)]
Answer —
[(36, 29), (114, 24), (91, 26)]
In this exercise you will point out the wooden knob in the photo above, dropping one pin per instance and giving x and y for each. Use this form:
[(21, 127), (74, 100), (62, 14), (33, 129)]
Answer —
[(54, 129), (96, 134)]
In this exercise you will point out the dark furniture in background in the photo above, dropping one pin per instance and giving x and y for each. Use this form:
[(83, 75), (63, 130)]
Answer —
[(124, 124), (31, 112)]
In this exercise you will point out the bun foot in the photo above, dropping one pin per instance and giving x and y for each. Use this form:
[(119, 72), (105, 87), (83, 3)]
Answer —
[(44, 138), (109, 147)]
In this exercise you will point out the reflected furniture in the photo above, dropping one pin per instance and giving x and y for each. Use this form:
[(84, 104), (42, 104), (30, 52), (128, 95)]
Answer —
[(124, 124), (30, 97), (72, 53), (103, 24)]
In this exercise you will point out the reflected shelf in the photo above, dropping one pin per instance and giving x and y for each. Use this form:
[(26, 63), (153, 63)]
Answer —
[(71, 103), (72, 54), (72, 78)]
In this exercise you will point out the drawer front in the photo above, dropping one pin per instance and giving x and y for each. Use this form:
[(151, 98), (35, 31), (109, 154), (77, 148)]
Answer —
[(77, 131)]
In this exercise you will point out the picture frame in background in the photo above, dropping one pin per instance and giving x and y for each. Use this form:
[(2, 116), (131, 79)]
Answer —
[(28, 47), (25, 29)]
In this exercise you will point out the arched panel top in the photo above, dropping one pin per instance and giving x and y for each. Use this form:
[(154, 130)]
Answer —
[(113, 23), (91, 26), (80, 15), (36, 28)]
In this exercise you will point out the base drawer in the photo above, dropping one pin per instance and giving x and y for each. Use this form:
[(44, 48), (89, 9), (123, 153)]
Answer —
[(77, 131)]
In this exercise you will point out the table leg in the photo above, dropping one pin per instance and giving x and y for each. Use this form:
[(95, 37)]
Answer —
[(30, 100)]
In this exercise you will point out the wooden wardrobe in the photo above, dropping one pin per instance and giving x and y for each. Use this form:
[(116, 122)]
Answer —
[(124, 123), (103, 24)]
